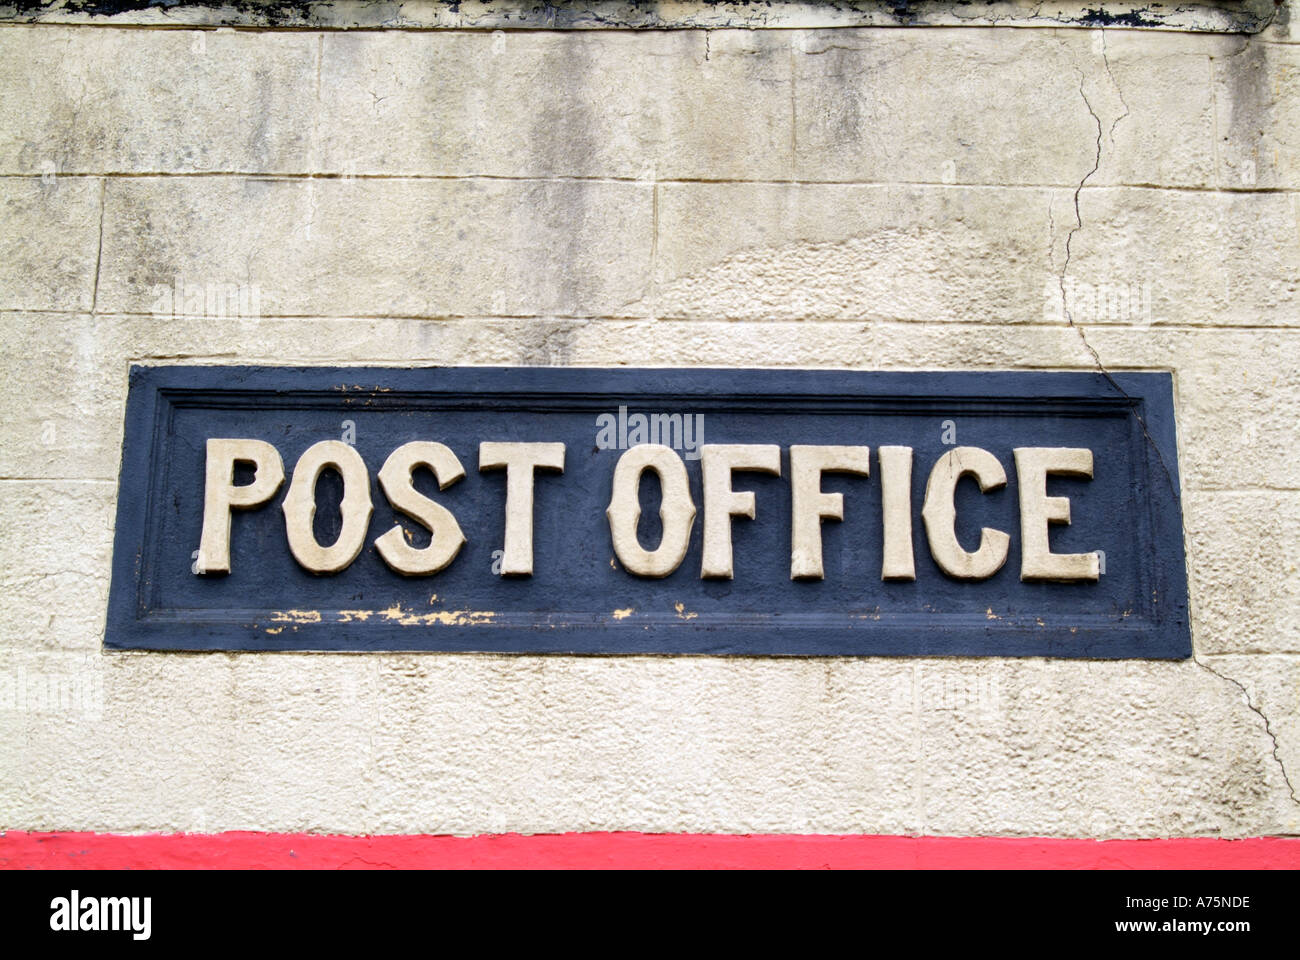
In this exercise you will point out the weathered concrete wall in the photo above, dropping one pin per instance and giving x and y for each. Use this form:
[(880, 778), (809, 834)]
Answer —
[(870, 198)]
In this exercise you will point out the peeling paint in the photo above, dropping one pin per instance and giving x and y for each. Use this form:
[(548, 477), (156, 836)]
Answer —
[(296, 616), (450, 618)]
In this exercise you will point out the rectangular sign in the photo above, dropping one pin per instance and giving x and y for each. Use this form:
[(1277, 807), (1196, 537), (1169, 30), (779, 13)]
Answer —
[(649, 511)]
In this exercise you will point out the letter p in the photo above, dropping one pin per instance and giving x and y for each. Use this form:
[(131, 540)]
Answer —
[(220, 495)]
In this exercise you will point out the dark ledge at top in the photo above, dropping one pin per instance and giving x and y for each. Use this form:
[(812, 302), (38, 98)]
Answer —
[(1214, 16)]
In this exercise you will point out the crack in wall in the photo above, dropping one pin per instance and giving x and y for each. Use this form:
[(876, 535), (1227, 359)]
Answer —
[(1119, 92), (99, 250), (1065, 267), (1268, 727)]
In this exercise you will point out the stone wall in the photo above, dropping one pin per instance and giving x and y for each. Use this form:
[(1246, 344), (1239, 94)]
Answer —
[(864, 197)]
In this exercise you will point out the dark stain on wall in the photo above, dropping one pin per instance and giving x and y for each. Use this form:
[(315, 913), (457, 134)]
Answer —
[(1133, 18), (1241, 16)]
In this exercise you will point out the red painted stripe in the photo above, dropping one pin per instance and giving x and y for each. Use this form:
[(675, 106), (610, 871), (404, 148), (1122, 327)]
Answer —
[(632, 850)]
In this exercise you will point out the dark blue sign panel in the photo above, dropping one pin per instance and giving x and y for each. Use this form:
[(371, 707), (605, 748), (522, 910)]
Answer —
[(496, 509)]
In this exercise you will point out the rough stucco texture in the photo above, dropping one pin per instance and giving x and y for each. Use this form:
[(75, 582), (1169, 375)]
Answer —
[(868, 198)]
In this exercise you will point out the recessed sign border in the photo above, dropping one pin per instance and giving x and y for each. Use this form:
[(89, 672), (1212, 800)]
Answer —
[(1159, 631)]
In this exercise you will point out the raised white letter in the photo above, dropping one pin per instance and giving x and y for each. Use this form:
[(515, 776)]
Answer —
[(721, 503), (395, 479), (676, 510), (220, 495), (520, 460), (809, 505), (940, 513), (300, 507), (1037, 510), (896, 511)]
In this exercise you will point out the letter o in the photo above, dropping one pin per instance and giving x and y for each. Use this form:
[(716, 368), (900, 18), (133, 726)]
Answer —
[(676, 510), (300, 507)]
